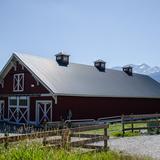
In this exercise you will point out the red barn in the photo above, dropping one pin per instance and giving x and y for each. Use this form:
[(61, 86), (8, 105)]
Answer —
[(34, 88)]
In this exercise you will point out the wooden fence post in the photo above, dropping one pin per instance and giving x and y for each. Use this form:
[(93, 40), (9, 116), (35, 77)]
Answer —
[(122, 121), (157, 125), (6, 140), (66, 138), (44, 140), (132, 125), (106, 137)]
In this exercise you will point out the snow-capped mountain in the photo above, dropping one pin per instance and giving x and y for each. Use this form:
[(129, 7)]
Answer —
[(154, 72)]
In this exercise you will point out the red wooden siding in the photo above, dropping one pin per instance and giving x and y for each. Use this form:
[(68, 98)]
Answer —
[(28, 80), (85, 107)]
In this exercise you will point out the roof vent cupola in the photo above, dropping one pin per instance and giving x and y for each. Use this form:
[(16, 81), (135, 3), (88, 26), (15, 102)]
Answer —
[(62, 59), (100, 65), (128, 70)]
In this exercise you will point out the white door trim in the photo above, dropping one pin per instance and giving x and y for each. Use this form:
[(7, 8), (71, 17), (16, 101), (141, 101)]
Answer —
[(2, 101), (37, 109)]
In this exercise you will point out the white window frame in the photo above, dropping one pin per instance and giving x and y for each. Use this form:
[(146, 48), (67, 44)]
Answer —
[(16, 82), (17, 107), (59, 57)]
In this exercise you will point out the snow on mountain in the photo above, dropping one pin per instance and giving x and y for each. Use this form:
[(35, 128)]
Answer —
[(154, 72), (156, 76)]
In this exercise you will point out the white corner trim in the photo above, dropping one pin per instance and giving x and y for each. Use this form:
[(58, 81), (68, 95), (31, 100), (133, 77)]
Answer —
[(55, 99)]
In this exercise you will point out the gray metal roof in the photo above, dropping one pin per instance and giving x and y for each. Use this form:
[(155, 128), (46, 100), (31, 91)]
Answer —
[(85, 80)]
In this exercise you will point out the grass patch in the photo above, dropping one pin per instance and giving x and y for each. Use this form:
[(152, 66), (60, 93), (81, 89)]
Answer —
[(24, 151), (127, 134), (115, 130)]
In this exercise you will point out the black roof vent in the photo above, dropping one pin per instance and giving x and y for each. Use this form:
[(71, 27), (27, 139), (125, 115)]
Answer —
[(128, 70), (100, 65), (62, 59)]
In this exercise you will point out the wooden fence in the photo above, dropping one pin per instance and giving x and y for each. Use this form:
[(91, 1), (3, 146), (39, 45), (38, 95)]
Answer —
[(65, 137), (152, 121)]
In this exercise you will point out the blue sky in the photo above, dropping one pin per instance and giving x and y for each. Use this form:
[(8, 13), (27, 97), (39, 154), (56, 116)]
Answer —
[(117, 31)]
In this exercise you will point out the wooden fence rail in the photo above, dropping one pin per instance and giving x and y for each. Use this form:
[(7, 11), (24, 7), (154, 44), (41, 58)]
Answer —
[(139, 119), (66, 136)]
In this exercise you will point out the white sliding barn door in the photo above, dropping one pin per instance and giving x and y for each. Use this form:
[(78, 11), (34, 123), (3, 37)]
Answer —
[(43, 111)]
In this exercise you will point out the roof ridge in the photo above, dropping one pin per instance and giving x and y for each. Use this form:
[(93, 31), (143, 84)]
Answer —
[(74, 63)]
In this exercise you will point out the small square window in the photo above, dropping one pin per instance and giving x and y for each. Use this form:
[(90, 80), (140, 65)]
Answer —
[(102, 65), (23, 102), (65, 58), (58, 57), (97, 64), (13, 102)]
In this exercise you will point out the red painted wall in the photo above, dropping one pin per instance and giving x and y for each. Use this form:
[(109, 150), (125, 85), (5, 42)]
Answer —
[(85, 107), (81, 107), (28, 80)]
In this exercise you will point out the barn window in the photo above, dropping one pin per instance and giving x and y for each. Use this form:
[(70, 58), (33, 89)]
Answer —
[(18, 82), (13, 101), (23, 101), (65, 58)]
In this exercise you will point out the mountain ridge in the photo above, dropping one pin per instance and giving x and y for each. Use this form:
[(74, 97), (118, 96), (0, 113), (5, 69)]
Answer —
[(144, 68)]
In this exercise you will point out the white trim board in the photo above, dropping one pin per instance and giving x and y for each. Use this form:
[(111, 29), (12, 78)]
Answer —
[(37, 119)]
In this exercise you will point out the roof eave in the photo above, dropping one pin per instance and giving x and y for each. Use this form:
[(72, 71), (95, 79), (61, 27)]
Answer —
[(103, 96)]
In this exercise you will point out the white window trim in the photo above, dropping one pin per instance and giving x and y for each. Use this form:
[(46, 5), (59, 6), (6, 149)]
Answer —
[(18, 98), (18, 85), (17, 108)]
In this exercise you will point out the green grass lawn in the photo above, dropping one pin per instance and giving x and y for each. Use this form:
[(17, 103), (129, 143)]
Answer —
[(24, 151), (116, 130)]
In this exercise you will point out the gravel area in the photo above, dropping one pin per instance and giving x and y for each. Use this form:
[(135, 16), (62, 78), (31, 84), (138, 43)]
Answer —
[(140, 145)]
